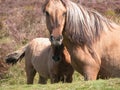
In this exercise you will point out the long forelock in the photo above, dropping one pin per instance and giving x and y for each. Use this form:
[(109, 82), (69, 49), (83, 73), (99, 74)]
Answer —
[(82, 25)]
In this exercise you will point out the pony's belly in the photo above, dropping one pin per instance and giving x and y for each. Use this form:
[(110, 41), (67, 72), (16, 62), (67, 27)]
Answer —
[(41, 67), (42, 72)]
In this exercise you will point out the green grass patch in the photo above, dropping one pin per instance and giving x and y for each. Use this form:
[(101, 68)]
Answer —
[(16, 80), (112, 84)]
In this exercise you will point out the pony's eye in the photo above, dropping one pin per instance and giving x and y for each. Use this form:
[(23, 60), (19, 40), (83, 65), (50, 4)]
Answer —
[(47, 13), (64, 14)]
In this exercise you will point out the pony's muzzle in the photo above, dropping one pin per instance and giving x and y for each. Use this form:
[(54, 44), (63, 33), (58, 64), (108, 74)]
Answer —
[(57, 41)]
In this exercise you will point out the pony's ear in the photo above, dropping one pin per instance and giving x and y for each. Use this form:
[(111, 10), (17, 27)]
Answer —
[(44, 5), (64, 2), (43, 8)]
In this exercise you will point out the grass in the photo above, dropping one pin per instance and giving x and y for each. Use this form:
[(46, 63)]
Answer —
[(5, 40), (16, 80), (112, 84)]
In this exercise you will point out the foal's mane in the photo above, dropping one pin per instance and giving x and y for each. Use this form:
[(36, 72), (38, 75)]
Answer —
[(83, 25)]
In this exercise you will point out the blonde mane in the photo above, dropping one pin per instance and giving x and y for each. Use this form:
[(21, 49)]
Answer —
[(83, 25)]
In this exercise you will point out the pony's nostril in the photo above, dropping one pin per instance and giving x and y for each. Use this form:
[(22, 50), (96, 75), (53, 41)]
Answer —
[(51, 38), (59, 38), (56, 40)]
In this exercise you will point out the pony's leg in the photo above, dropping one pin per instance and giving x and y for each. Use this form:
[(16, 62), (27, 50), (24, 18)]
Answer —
[(91, 73), (62, 79), (42, 80), (52, 80), (69, 79), (92, 66), (30, 72), (55, 78)]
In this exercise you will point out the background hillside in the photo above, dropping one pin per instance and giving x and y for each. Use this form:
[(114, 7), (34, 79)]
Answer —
[(23, 20)]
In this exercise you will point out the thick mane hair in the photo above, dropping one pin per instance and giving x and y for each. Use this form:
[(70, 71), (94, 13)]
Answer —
[(83, 25)]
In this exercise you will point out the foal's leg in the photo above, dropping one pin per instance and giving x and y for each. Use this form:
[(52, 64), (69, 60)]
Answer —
[(30, 72), (42, 80)]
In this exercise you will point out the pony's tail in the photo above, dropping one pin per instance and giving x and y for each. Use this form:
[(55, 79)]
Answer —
[(16, 56)]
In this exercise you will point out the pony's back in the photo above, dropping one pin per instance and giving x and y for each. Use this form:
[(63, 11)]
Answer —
[(39, 44)]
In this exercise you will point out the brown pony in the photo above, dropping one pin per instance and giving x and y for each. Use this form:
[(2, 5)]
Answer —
[(53, 63), (92, 40)]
